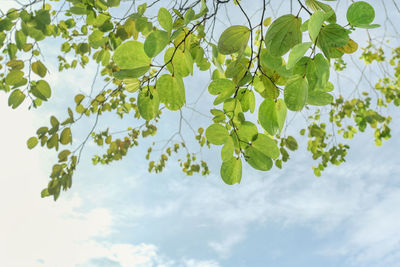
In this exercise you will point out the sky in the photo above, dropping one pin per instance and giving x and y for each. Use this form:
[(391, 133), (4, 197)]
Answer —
[(120, 215)]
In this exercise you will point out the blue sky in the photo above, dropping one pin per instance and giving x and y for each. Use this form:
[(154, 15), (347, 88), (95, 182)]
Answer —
[(120, 215)]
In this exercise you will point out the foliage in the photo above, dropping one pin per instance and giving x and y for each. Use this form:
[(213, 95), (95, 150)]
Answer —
[(270, 68)]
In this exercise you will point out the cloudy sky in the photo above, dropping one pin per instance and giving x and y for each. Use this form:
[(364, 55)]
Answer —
[(120, 215)]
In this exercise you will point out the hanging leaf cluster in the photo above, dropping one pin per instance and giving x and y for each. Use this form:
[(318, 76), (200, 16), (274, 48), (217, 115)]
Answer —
[(259, 73)]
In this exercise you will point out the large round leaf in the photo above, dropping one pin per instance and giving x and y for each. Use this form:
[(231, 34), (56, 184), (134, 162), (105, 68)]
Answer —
[(261, 152), (247, 131), (171, 91), (231, 171), (155, 43), (41, 90), (233, 39), (283, 34), (332, 36), (131, 55), (217, 134), (182, 61), (360, 13), (296, 92)]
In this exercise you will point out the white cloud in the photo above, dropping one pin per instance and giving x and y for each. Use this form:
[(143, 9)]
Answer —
[(40, 232)]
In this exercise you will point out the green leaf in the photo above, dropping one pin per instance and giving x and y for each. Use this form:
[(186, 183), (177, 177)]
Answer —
[(41, 90), (97, 39), (182, 61), (44, 193), (131, 84), (54, 122), (275, 63), (113, 3), (267, 116), (148, 103), (224, 88), (267, 146), (130, 73), (165, 19), (283, 34), (360, 13), (291, 143), (297, 53), (66, 136), (330, 37), (171, 91), (32, 142), (63, 155), (14, 77), (247, 131), (216, 134), (315, 5), (322, 72), (296, 92), (281, 111), (261, 151), (233, 39), (228, 149), (155, 42), (131, 55), (231, 171), (39, 68), (319, 98), (20, 39), (16, 98), (315, 24)]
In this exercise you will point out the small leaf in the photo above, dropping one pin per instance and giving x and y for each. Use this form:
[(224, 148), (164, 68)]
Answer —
[(16, 98), (131, 84), (148, 104), (32, 142), (281, 111), (39, 68), (63, 155), (66, 136), (360, 13), (231, 171)]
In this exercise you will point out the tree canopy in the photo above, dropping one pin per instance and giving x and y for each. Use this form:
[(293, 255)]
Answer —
[(258, 73)]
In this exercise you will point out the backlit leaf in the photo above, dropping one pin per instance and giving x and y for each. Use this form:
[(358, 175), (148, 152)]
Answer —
[(231, 171), (217, 134), (296, 92), (283, 34), (233, 39)]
